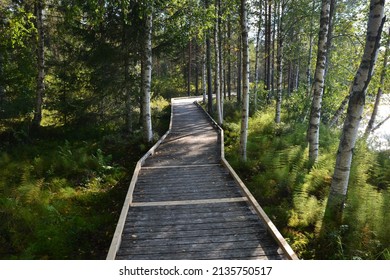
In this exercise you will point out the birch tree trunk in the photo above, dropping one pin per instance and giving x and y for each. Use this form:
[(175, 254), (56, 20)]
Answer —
[(371, 122), (41, 65), (279, 62), (147, 76), (339, 111), (217, 66), (339, 186), (308, 71), (245, 76), (229, 60), (257, 58), (318, 87), (239, 69), (208, 66)]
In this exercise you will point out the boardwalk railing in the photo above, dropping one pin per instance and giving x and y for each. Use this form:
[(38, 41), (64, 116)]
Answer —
[(290, 254)]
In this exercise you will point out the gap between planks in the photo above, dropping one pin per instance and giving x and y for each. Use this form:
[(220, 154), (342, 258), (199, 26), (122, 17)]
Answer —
[(181, 166), (188, 202)]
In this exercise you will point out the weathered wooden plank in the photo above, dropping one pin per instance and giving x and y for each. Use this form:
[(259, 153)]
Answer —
[(187, 202), (203, 253), (203, 233)]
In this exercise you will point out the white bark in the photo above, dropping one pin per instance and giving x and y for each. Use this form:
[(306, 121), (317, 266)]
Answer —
[(339, 186), (318, 87), (279, 61), (245, 80), (217, 68), (147, 78), (204, 76)]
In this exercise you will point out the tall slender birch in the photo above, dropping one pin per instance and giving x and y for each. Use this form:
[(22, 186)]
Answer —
[(208, 68), (319, 81), (339, 186), (147, 75), (279, 62), (257, 51), (40, 63), (217, 65), (245, 80)]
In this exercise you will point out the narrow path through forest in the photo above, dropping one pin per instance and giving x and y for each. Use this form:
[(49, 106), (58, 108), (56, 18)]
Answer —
[(187, 205)]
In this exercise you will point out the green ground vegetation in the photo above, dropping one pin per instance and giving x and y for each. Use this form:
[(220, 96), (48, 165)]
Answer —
[(61, 193), (294, 196)]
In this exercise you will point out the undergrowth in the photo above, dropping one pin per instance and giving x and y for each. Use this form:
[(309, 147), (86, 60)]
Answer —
[(61, 193), (294, 196)]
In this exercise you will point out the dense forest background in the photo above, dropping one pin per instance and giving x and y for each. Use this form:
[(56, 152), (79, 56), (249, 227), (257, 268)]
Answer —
[(76, 95)]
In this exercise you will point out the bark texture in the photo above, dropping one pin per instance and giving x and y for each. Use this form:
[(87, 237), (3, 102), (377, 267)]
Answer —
[(319, 81), (147, 78), (245, 77)]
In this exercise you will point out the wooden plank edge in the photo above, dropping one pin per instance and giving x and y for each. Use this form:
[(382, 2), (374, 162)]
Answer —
[(261, 213), (259, 210), (116, 240)]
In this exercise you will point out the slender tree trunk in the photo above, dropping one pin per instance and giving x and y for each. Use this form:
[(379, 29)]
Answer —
[(189, 68), (41, 65), (280, 64), (229, 61), (208, 66), (257, 58), (245, 74), (339, 185), (217, 67), (147, 77), (220, 54), (204, 76), (239, 69), (339, 111), (196, 69), (311, 35), (332, 10), (268, 52), (318, 88), (381, 123), (380, 91)]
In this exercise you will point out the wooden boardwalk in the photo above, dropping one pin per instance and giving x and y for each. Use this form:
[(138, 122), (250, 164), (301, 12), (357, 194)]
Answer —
[(185, 201)]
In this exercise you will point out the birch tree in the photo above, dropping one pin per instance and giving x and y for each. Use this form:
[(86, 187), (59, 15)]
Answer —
[(279, 62), (147, 75), (40, 64), (217, 57), (245, 80), (319, 80), (339, 186)]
